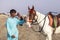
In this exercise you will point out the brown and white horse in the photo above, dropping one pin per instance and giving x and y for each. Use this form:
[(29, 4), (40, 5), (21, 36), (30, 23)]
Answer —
[(42, 20)]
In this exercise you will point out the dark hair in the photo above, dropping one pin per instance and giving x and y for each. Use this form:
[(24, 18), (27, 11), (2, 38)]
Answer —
[(50, 13), (12, 11)]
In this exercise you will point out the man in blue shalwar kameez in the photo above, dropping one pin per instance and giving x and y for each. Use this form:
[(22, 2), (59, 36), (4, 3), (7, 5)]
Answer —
[(11, 25)]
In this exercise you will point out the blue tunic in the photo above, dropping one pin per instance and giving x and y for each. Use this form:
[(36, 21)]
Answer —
[(11, 25), (21, 21)]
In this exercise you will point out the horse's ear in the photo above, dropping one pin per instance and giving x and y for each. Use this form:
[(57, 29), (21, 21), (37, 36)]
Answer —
[(33, 7), (28, 8)]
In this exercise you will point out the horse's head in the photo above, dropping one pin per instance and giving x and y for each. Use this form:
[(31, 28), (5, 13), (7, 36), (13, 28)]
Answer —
[(32, 13)]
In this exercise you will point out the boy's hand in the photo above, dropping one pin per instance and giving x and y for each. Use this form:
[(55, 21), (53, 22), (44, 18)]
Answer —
[(13, 36), (18, 14)]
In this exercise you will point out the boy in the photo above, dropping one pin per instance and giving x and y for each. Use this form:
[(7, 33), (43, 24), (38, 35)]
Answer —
[(11, 25)]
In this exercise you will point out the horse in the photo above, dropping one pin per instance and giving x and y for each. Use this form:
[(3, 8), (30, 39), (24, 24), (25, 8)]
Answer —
[(43, 22)]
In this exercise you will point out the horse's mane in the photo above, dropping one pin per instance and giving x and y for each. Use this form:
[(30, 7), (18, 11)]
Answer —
[(39, 13)]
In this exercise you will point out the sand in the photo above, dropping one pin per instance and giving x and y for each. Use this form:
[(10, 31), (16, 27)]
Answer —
[(25, 33)]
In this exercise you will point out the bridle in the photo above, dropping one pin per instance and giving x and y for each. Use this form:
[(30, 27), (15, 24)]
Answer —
[(32, 11)]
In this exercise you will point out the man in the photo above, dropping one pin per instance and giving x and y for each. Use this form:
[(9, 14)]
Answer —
[(11, 25)]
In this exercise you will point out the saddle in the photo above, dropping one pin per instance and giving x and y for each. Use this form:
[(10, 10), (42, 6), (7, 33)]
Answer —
[(54, 20)]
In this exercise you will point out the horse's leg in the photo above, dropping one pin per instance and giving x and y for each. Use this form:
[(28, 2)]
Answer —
[(49, 36), (49, 32), (57, 30), (29, 25)]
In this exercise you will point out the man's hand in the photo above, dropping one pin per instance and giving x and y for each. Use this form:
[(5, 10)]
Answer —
[(13, 36)]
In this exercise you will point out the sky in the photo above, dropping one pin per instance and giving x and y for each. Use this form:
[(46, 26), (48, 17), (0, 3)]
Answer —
[(43, 6)]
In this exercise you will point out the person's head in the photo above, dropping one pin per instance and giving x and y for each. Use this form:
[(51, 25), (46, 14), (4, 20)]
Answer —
[(49, 13), (13, 12)]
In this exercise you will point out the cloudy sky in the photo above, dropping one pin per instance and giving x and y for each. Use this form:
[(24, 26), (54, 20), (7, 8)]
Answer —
[(21, 6)]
